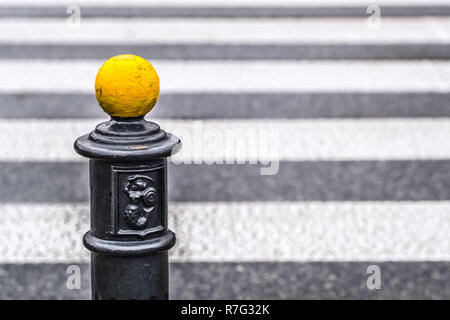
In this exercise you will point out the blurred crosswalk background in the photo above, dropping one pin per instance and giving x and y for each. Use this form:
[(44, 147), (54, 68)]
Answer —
[(358, 93)]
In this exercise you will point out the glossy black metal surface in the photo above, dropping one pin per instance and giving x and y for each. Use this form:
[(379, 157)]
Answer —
[(129, 239)]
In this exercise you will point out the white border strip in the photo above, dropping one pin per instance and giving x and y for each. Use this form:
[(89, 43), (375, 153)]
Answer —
[(220, 3), (78, 76), (272, 231), (418, 30), (251, 141)]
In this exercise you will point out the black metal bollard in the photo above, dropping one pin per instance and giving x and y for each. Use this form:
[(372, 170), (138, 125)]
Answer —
[(129, 239)]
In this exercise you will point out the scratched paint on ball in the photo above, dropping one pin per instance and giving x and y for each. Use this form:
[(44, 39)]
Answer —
[(127, 86)]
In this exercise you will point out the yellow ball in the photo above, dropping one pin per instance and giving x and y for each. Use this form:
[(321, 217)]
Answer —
[(127, 86)]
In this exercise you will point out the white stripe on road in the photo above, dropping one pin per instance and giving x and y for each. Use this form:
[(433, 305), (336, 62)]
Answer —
[(417, 30), (252, 231), (249, 140), (221, 3), (78, 76)]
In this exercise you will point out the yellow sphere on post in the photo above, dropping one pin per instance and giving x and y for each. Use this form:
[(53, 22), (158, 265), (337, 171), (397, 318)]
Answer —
[(127, 86)]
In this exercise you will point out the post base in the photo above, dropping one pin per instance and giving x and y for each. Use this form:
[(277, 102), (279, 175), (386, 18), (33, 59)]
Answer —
[(130, 278)]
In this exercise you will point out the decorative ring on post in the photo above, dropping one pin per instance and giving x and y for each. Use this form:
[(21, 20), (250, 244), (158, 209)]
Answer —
[(129, 238)]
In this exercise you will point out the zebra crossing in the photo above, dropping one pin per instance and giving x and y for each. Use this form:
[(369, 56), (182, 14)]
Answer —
[(419, 30), (73, 76), (359, 117), (340, 140), (328, 231)]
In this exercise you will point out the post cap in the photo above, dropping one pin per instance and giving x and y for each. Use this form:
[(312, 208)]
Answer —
[(127, 86)]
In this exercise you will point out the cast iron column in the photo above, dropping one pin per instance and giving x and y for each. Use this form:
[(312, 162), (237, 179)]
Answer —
[(129, 239)]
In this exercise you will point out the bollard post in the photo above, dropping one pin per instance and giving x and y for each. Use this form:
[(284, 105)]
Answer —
[(129, 238)]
